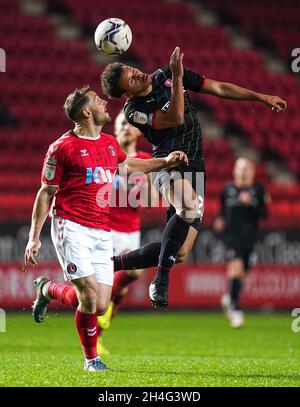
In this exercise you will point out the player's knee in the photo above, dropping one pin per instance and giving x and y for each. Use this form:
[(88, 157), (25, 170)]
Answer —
[(189, 210), (88, 299), (102, 306)]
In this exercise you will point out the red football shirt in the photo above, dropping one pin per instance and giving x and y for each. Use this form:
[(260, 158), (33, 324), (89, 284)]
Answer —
[(125, 213), (83, 170)]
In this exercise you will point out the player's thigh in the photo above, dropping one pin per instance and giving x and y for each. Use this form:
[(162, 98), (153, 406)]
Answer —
[(192, 189), (187, 245), (181, 195), (101, 257), (73, 245)]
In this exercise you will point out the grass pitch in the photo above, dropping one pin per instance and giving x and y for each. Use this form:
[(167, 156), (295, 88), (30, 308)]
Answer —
[(154, 349)]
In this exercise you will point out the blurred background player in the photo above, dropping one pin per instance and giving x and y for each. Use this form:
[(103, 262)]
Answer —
[(243, 203), (125, 218), (160, 107)]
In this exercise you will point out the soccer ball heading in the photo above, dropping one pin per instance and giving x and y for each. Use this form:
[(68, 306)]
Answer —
[(113, 36)]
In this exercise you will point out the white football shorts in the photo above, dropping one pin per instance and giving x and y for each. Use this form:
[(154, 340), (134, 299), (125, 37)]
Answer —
[(83, 251), (125, 242)]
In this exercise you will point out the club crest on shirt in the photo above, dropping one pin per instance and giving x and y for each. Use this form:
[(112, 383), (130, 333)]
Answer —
[(168, 82), (112, 151), (50, 170), (71, 268)]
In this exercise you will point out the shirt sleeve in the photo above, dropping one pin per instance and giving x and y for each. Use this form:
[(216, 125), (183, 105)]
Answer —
[(53, 167), (122, 156), (140, 116), (193, 81)]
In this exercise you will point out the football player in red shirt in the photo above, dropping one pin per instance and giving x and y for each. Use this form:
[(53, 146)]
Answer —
[(78, 170), (125, 217)]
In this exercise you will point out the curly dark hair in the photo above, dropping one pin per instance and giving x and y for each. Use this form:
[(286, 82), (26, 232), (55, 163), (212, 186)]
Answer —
[(75, 102), (110, 78)]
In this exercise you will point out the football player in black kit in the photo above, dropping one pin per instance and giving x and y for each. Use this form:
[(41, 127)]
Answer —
[(243, 203), (159, 106)]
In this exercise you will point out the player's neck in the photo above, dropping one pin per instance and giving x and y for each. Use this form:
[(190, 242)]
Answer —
[(243, 184), (87, 131), (145, 93)]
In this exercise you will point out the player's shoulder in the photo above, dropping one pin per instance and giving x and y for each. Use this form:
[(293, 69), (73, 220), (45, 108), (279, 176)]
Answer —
[(229, 186), (143, 155), (108, 137), (61, 143), (161, 74)]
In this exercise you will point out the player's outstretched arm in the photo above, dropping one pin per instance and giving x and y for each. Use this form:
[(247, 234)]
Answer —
[(40, 212), (230, 91), (174, 115), (139, 165)]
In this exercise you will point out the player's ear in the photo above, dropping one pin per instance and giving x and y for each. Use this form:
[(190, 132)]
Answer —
[(86, 113)]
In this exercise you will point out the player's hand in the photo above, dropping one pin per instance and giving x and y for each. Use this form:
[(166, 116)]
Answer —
[(277, 104), (31, 252), (219, 225), (176, 65), (175, 158)]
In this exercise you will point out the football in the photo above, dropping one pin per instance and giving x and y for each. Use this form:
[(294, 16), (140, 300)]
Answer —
[(113, 36)]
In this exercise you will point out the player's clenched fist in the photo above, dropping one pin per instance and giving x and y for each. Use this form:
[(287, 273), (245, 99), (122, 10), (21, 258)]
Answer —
[(31, 252), (176, 65), (175, 158)]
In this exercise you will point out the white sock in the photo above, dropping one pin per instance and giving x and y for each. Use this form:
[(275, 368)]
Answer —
[(90, 360), (45, 290)]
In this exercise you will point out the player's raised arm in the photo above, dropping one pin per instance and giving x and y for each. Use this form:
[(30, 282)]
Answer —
[(174, 115), (230, 91), (139, 165), (40, 212)]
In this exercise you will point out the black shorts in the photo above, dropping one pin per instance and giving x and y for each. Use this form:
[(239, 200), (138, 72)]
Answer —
[(162, 179), (239, 252)]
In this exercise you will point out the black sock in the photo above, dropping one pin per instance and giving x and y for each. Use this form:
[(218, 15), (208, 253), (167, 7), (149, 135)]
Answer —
[(173, 238), (141, 258), (235, 288)]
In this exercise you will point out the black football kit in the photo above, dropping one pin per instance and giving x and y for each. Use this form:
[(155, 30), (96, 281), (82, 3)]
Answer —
[(141, 113)]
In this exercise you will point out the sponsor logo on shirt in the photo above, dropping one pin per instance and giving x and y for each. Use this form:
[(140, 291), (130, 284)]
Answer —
[(84, 153), (98, 175), (168, 83), (52, 160), (50, 170), (140, 117)]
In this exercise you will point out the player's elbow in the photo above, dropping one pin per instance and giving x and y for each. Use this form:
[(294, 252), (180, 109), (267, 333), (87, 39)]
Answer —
[(48, 190)]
